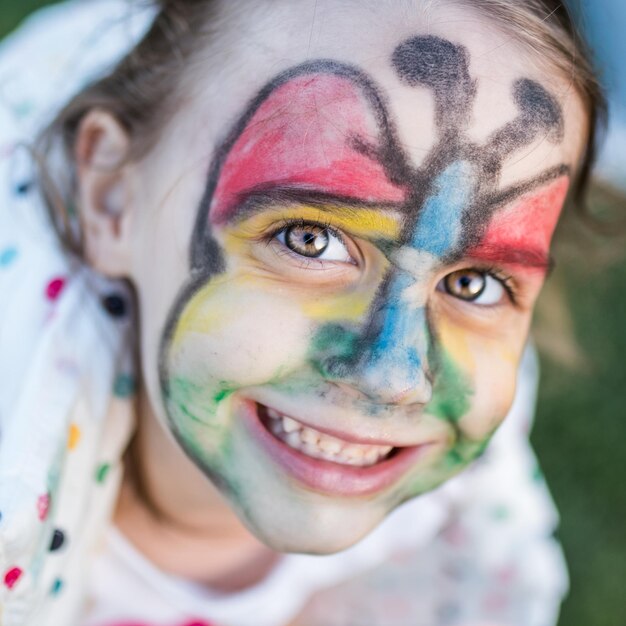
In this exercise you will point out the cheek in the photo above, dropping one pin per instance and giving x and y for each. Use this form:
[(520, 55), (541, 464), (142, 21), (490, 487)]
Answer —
[(233, 334), (489, 366)]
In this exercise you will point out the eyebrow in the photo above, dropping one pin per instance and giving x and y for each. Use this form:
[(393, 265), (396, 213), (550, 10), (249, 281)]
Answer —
[(259, 200), (531, 258)]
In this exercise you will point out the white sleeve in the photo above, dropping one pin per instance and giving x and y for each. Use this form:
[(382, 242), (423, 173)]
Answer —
[(62, 429)]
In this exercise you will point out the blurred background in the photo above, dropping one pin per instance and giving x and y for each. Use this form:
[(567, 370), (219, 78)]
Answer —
[(580, 433)]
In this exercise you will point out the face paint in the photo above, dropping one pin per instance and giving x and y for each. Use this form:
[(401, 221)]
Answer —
[(303, 133), (319, 393), (521, 233)]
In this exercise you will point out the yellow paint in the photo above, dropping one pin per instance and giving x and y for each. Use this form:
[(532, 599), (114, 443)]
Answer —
[(351, 307), (455, 341), (357, 221), (73, 436), (202, 314)]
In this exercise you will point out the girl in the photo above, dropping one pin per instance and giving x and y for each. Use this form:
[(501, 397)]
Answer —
[(303, 242)]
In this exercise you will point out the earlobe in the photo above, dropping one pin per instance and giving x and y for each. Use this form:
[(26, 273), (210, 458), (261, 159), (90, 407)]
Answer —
[(103, 192)]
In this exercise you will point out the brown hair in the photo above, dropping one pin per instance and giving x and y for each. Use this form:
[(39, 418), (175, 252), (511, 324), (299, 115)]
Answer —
[(141, 89), (139, 92)]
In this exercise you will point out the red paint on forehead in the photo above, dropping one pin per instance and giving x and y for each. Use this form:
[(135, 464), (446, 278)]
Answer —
[(302, 137), (524, 227)]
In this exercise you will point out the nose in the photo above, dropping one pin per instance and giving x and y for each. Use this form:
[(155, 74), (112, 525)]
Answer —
[(387, 361)]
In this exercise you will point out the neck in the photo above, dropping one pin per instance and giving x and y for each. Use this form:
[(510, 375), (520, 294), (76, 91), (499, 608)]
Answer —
[(173, 514)]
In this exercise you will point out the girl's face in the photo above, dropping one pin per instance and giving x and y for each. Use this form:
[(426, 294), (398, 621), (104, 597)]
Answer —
[(339, 241)]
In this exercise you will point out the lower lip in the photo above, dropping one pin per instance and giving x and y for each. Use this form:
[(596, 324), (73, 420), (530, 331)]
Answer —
[(328, 477)]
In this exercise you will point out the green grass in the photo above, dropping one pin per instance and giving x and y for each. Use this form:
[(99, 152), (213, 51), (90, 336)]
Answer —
[(13, 11), (580, 434), (580, 437)]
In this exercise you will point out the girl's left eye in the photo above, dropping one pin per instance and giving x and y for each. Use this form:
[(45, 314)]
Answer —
[(473, 286), (314, 241)]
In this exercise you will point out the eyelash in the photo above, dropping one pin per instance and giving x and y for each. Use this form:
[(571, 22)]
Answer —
[(507, 280)]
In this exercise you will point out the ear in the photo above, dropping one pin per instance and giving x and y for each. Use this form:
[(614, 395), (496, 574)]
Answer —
[(101, 151)]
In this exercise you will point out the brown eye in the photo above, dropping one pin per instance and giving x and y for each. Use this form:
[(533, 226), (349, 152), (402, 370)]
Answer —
[(465, 284), (307, 240), (314, 241)]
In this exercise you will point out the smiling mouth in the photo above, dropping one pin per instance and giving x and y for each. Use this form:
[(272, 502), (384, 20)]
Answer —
[(326, 463), (319, 445)]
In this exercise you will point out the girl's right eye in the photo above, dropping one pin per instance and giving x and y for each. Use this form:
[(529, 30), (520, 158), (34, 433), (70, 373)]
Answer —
[(314, 241), (475, 286)]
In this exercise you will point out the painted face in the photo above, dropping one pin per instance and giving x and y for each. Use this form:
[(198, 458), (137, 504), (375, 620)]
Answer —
[(350, 327)]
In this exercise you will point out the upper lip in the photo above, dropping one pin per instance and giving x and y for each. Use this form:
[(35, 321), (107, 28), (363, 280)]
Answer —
[(346, 436)]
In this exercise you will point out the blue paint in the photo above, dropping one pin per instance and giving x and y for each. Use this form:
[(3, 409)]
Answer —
[(395, 322), (438, 228), (397, 354), (7, 256)]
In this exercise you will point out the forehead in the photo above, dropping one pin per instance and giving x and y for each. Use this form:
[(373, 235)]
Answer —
[(270, 37)]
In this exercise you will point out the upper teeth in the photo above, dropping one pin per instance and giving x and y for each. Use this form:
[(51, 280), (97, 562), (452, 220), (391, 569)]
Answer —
[(322, 446)]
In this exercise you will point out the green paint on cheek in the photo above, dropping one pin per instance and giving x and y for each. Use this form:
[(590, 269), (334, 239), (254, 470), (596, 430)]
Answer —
[(463, 453), (451, 393), (332, 346), (194, 410), (335, 338), (195, 401), (222, 395)]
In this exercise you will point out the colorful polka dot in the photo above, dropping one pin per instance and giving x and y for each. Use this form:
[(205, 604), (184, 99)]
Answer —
[(12, 576), (73, 436), (43, 506), (102, 472), (58, 540), (507, 575), (500, 513), (455, 535), (114, 305), (57, 585), (124, 386), (7, 256), (23, 109), (495, 602), (54, 288), (23, 187)]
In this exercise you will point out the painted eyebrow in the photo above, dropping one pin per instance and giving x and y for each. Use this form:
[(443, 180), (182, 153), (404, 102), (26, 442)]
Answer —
[(259, 201), (531, 258)]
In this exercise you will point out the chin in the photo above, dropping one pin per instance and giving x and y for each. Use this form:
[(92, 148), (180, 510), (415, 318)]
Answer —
[(320, 533)]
